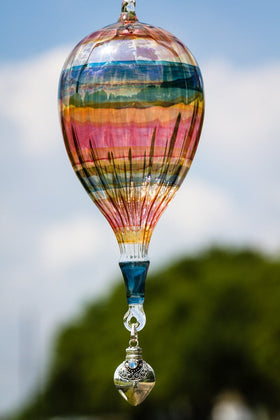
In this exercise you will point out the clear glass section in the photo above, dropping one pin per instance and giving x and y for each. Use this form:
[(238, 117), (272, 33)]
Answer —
[(133, 252), (135, 314)]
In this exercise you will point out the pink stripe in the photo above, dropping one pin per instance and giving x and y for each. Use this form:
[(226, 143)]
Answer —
[(113, 138)]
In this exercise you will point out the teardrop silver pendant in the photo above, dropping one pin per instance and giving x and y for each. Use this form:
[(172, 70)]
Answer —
[(134, 378)]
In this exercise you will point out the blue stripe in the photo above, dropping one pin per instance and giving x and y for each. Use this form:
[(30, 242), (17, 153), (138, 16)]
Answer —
[(132, 71)]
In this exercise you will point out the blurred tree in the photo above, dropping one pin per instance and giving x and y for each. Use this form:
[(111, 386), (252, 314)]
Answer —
[(213, 325)]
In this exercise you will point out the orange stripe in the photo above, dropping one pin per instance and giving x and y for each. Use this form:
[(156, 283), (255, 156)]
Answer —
[(118, 117)]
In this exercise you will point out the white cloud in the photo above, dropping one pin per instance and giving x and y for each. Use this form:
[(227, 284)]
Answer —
[(202, 209), (200, 215), (242, 113), (72, 241), (28, 98), (200, 212)]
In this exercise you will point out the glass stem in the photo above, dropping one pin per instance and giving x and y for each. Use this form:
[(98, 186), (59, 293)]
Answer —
[(134, 274)]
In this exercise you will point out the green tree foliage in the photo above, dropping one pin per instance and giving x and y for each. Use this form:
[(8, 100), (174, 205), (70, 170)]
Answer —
[(212, 325)]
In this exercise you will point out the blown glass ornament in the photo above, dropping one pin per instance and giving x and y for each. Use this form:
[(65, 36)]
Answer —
[(131, 106)]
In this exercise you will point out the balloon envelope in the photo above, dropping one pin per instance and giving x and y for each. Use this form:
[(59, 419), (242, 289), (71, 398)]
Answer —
[(131, 104)]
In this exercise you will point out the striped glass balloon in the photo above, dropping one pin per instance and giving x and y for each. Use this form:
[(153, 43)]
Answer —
[(131, 104)]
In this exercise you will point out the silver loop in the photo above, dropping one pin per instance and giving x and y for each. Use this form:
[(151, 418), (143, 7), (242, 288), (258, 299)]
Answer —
[(133, 342), (134, 329)]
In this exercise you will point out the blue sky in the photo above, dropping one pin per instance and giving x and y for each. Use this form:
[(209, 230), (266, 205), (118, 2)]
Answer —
[(57, 251), (244, 31)]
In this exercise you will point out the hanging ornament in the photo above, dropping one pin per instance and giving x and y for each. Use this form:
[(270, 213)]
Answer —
[(131, 106)]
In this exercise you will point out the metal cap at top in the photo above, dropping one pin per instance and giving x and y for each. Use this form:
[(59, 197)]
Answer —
[(133, 353)]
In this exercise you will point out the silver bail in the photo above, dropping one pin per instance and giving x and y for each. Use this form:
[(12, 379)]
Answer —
[(134, 378)]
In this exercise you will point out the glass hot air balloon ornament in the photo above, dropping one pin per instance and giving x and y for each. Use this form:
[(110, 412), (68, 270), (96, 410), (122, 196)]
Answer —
[(131, 105)]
